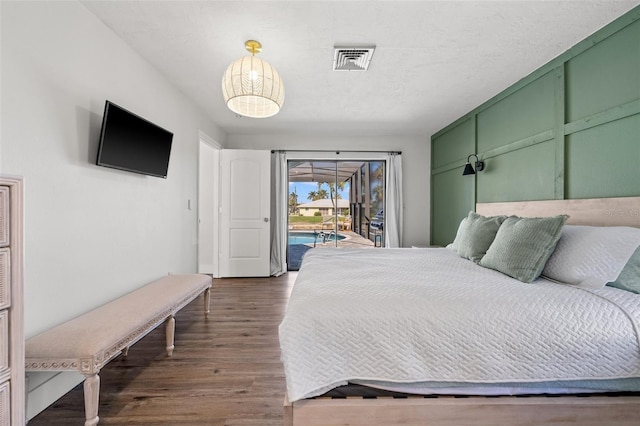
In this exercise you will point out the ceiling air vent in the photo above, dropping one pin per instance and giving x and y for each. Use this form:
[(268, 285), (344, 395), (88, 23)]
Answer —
[(352, 58)]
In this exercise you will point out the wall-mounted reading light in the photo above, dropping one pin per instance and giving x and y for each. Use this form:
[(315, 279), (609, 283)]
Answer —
[(468, 168)]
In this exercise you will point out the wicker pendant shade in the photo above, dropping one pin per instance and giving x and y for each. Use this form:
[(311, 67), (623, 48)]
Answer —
[(252, 87)]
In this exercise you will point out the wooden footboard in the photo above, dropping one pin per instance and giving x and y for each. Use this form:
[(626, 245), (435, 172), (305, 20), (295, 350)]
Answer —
[(457, 411)]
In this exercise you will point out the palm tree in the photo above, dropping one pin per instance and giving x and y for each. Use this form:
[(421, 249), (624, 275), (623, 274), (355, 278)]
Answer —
[(334, 188), (293, 202), (322, 194), (376, 184)]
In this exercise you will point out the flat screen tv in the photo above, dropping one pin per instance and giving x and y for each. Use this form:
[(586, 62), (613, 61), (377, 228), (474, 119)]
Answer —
[(129, 142)]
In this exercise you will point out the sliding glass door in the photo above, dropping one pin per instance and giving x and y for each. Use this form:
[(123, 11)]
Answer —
[(334, 204)]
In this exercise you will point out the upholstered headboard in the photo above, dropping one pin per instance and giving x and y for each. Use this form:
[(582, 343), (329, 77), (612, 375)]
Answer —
[(623, 211)]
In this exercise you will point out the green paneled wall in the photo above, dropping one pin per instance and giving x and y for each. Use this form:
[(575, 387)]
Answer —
[(604, 161), (455, 144), (526, 112), (604, 76), (530, 175), (569, 130), (458, 191)]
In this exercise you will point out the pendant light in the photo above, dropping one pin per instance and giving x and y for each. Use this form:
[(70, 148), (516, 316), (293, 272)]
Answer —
[(252, 87)]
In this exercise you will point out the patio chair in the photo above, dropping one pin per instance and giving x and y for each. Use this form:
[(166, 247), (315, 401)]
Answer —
[(345, 223), (328, 222)]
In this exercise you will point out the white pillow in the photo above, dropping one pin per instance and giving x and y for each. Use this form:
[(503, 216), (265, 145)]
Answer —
[(591, 256)]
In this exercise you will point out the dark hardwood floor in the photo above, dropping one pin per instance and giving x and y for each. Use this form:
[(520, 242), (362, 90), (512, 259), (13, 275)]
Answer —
[(224, 371)]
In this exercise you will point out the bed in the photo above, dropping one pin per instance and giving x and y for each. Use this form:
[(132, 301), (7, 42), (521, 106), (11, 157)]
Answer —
[(451, 340)]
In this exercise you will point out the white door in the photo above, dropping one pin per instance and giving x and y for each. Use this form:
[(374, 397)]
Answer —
[(208, 180), (245, 182)]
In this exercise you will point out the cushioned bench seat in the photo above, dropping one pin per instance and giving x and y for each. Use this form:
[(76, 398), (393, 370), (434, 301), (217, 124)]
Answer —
[(86, 343)]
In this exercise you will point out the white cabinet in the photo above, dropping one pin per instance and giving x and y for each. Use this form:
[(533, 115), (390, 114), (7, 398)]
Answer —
[(12, 391)]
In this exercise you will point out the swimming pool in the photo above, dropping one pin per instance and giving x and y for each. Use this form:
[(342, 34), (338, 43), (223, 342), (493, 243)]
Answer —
[(310, 237)]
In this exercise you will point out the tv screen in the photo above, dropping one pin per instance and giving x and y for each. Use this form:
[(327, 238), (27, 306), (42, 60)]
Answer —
[(129, 142)]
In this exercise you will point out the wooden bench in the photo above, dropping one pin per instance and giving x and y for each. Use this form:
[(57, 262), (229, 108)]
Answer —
[(88, 342)]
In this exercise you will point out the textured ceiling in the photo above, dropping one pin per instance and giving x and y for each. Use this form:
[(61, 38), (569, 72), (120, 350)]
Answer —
[(434, 60)]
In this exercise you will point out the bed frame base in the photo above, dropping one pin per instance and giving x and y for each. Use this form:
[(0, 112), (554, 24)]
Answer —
[(452, 411), (487, 411)]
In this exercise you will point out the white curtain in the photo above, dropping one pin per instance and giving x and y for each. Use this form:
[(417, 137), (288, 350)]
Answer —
[(394, 205), (279, 203)]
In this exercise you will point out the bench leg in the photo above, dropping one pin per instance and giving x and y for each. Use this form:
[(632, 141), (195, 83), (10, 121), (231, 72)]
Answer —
[(170, 333), (91, 399), (207, 302)]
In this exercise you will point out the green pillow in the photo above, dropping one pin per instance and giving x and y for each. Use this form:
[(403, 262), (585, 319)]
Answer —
[(479, 232), (629, 278), (461, 230), (523, 245)]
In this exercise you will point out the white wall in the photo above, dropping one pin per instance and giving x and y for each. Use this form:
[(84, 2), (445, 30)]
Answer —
[(416, 160), (91, 233)]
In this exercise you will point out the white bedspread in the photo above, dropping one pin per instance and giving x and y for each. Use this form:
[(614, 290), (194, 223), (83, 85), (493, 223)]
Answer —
[(413, 315)]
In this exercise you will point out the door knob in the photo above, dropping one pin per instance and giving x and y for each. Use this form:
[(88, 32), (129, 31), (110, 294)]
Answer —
[(266, 219)]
